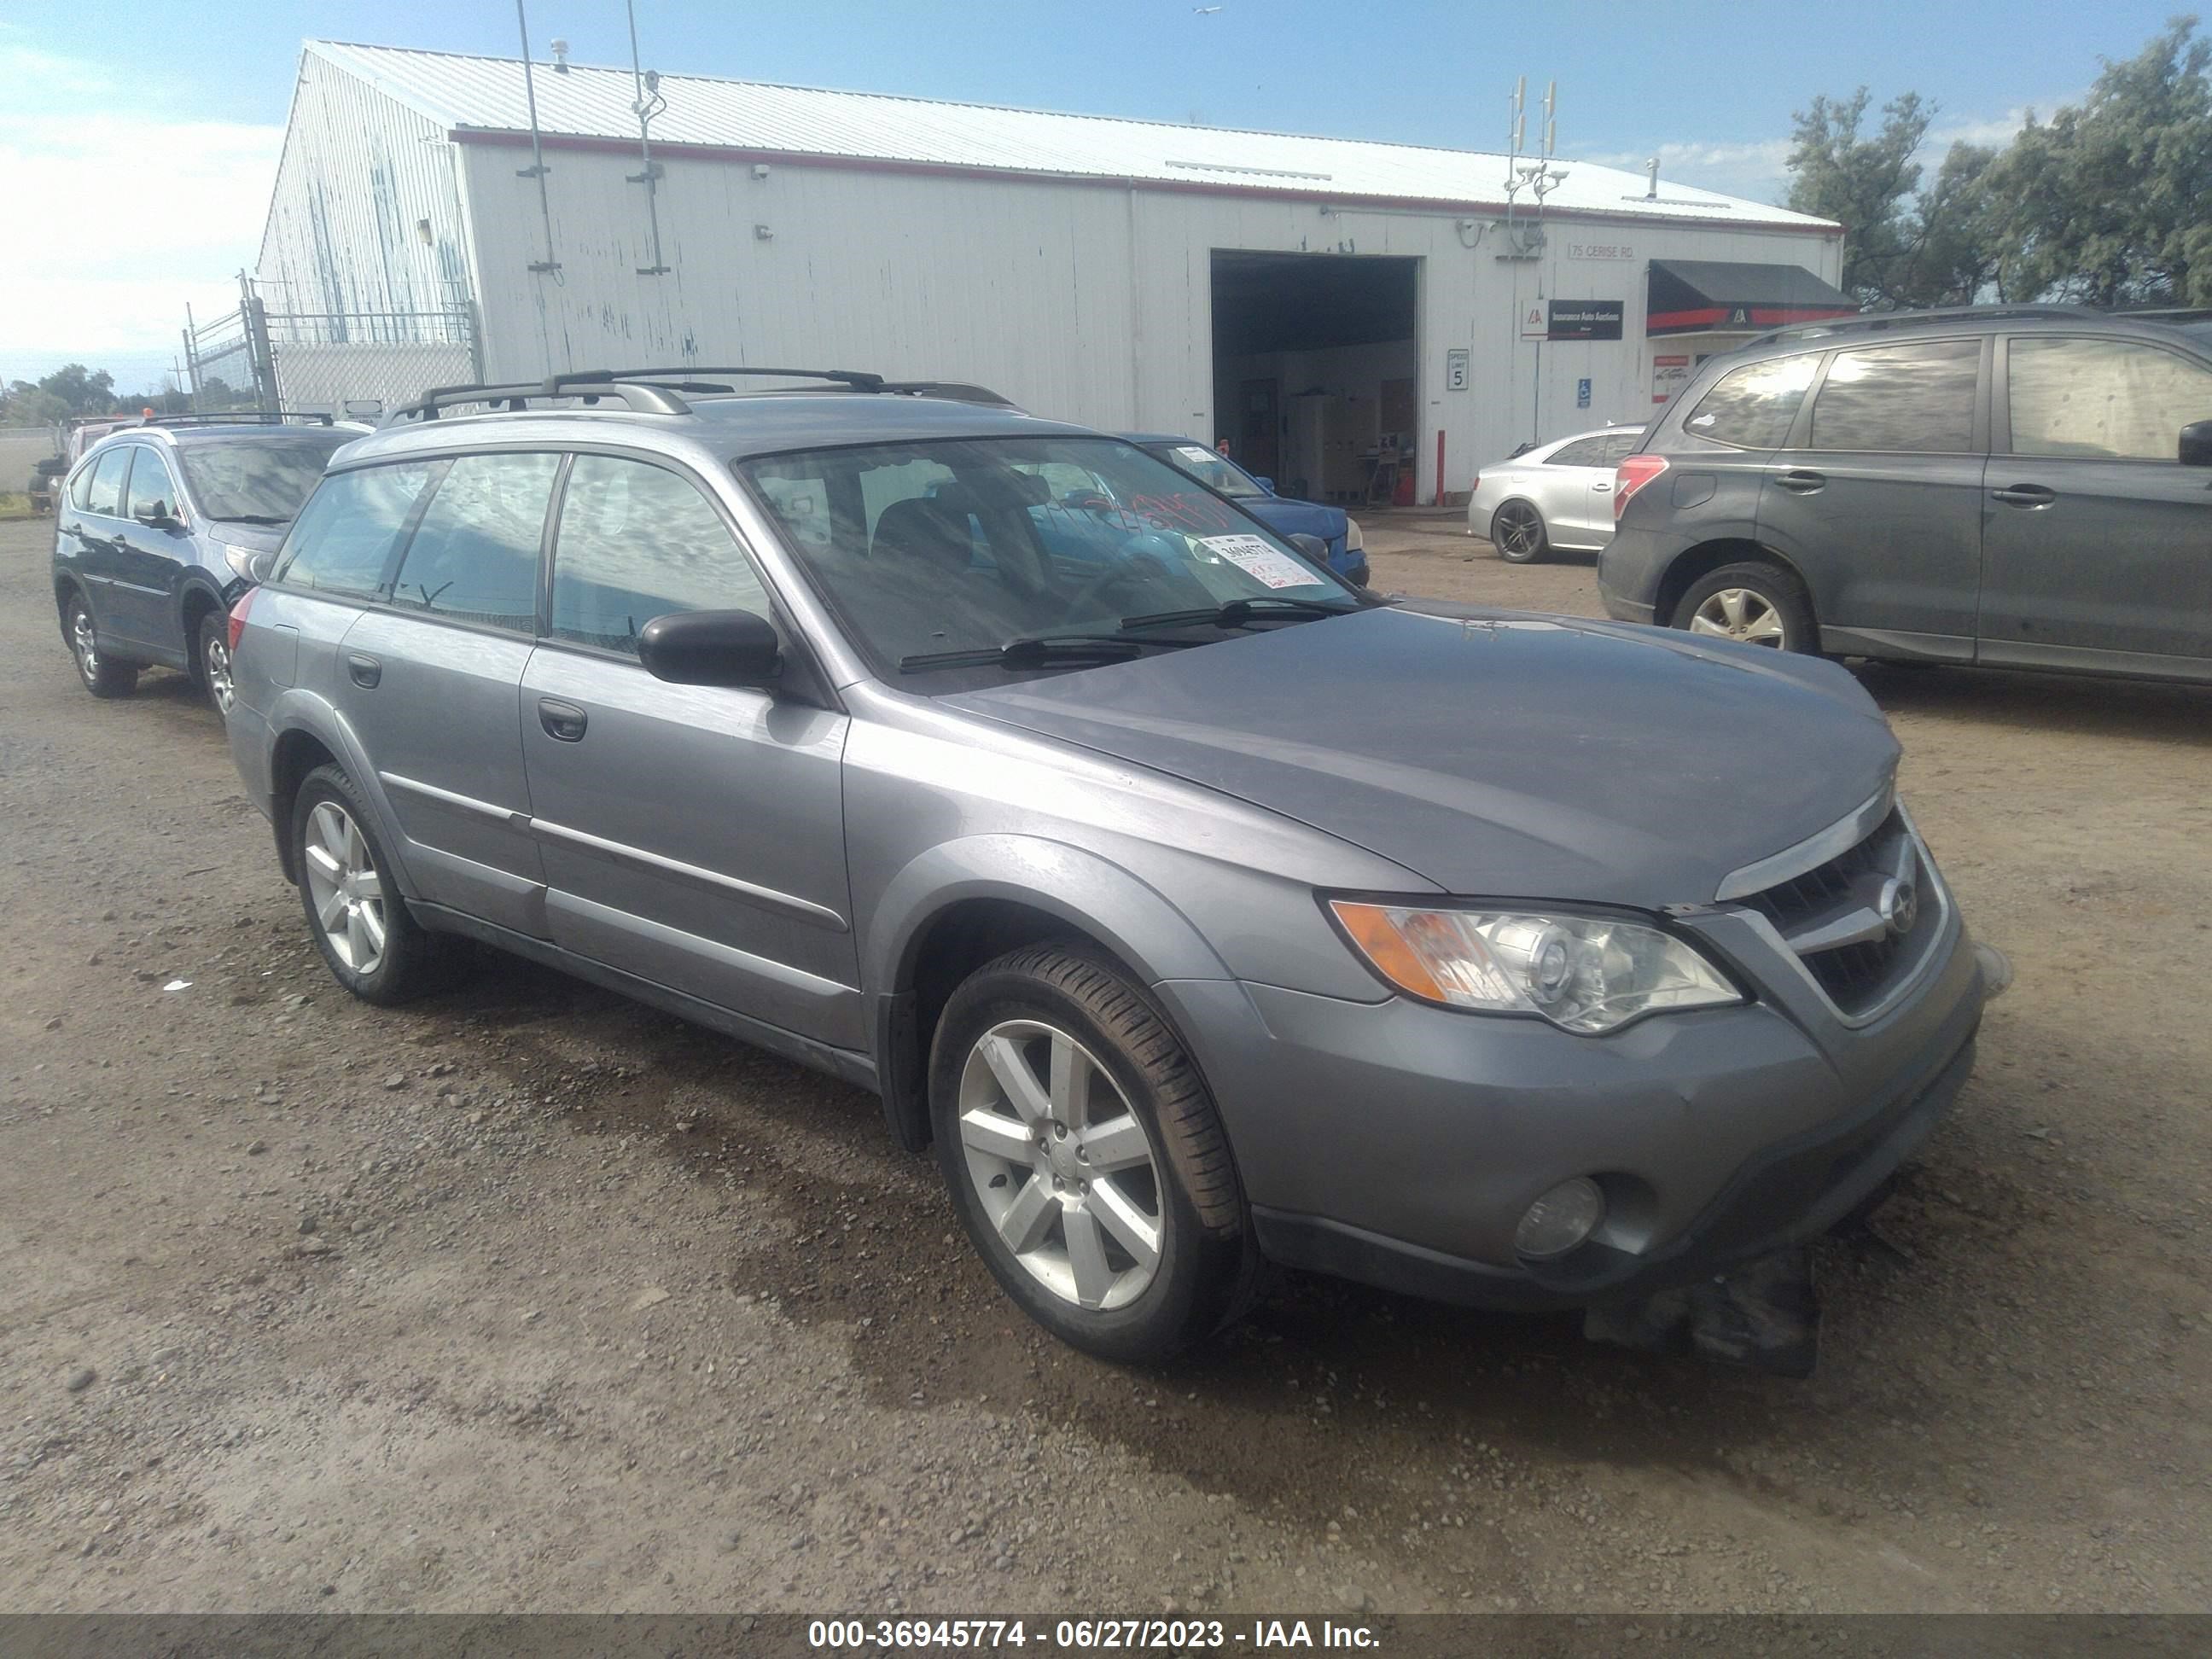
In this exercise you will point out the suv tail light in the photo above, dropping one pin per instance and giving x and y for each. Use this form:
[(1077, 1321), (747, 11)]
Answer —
[(1632, 475), (238, 617)]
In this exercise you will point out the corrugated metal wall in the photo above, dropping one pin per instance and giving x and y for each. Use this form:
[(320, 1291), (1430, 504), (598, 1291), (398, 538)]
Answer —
[(367, 218), (1081, 303)]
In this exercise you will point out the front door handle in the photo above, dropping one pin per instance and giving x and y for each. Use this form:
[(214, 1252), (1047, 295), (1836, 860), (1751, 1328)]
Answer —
[(1802, 482), (563, 722), (2025, 495), (363, 671), (1603, 489)]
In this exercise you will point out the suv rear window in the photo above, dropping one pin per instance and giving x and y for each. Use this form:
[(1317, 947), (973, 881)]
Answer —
[(1918, 397), (345, 536), (1752, 407)]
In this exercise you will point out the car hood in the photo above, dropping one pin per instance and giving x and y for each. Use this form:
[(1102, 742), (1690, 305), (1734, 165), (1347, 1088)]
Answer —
[(1495, 753), (1286, 517)]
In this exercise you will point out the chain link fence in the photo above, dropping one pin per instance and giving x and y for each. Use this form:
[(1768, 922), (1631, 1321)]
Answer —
[(363, 364)]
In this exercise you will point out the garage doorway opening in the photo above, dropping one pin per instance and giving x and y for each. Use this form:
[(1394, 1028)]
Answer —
[(1315, 370)]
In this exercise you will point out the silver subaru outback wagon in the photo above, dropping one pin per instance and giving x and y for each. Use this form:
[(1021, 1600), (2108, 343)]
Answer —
[(1003, 769)]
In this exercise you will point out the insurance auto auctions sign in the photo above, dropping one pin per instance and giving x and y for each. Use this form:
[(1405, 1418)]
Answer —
[(1584, 320)]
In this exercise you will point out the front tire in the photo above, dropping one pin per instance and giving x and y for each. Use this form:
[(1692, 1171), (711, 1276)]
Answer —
[(103, 676), (214, 648), (1085, 1158), (372, 945), (1517, 531), (1753, 603)]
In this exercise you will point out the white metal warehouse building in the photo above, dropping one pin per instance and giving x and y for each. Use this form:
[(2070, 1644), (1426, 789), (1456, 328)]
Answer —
[(1321, 302)]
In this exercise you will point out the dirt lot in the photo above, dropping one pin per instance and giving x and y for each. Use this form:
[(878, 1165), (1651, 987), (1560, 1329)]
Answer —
[(531, 1297)]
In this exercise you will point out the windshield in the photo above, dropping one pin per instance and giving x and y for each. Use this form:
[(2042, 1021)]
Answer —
[(1214, 472), (968, 545), (258, 479)]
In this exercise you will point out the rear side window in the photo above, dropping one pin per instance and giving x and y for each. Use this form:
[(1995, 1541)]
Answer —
[(1620, 447), (636, 542), (1583, 452), (2104, 399), (104, 495), (150, 485), (344, 537), (1915, 398), (474, 556), (1752, 407)]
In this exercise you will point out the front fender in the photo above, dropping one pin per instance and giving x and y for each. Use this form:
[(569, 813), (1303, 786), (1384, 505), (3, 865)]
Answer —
[(1132, 918)]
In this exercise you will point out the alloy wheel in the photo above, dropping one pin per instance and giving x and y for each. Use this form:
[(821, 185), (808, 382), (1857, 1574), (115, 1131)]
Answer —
[(85, 644), (1519, 531), (1742, 614), (1062, 1165), (345, 888), (218, 675)]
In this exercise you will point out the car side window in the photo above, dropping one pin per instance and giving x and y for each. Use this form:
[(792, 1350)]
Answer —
[(1753, 406), (105, 495), (1621, 447), (474, 556), (80, 493), (2103, 399), (1911, 397), (1583, 452), (151, 486), (344, 537), (637, 541)]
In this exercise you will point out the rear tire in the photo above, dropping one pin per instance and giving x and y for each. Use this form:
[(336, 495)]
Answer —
[(360, 921), (1085, 1158), (103, 676), (1753, 603), (1517, 531)]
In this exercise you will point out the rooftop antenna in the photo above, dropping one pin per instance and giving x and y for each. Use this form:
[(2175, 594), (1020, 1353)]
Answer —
[(645, 106), (548, 265)]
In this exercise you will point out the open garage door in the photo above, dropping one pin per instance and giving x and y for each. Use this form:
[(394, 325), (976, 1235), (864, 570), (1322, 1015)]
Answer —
[(1315, 368)]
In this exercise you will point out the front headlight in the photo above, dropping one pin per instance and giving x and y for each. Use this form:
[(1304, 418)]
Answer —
[(239, 559), (1353, 541), (1582, 972)]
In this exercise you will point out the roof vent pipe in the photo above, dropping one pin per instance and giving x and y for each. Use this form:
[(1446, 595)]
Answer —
[(560, 55), (1651, 178)]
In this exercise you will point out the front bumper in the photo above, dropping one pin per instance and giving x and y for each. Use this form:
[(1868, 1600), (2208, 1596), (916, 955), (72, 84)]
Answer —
[(1398, 1144)]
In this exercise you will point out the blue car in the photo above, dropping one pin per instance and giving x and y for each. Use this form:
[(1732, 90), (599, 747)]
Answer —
[(1347, 553)]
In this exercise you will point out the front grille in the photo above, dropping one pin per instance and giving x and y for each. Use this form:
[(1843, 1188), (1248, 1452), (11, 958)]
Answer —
[(1848, 921)]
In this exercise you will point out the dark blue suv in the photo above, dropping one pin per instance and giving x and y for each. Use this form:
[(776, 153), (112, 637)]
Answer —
[(157, 529)]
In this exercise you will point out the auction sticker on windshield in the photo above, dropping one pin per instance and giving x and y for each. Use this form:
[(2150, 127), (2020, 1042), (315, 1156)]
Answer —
[(1255, 558)]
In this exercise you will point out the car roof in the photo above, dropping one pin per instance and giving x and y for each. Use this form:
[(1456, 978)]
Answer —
[(1875, 326), (739, 427)]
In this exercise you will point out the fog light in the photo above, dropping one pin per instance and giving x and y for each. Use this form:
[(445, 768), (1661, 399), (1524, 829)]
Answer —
[(1560, 1220)]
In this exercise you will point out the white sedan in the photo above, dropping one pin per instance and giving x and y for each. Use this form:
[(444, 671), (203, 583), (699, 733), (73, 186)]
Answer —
[(1558, 495)]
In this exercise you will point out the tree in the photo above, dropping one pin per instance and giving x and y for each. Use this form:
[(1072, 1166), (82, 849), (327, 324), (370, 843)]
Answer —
[(2104, 204), (1864, 182), (81, 391)]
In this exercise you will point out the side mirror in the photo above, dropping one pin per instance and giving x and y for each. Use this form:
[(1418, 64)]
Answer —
[(712, 648), (261, 564), (2196, 449), (1312, 546), (1268, 484), (156, 517)]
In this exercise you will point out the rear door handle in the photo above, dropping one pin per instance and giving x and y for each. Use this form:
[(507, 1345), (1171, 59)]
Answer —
[(2025, 495), (363, 671), (1801, 483), (1603, 489), (563, 722)]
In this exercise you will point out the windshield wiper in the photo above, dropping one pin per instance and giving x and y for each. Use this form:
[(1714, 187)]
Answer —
[(247, 518), (1237, 612), (1025, 650)]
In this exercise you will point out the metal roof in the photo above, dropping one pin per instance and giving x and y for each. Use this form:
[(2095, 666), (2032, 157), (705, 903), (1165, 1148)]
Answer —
[(471, 95)]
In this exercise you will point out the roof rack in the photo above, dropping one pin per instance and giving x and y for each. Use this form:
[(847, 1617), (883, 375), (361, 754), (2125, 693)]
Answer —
[(239, 418), (1872, 322), (656, 391)]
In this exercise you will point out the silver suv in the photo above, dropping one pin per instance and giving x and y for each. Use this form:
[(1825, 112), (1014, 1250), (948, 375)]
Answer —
[(990, 763)]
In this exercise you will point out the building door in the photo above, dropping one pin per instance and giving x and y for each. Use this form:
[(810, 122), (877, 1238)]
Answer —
[(1257, 450)]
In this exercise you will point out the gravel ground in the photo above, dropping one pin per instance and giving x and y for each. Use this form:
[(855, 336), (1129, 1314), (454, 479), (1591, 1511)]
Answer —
[(530, 1298)]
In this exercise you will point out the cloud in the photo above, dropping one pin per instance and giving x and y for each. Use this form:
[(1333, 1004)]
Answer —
[(121, 220)]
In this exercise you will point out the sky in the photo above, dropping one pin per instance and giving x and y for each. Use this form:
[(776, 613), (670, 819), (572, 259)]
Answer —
[(143, 139)]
